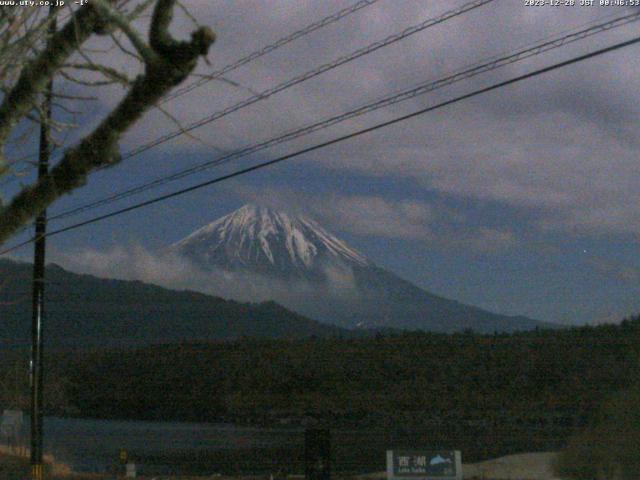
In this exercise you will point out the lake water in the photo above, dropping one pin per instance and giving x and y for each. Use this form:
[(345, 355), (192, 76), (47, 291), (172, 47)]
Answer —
[(94, 445)]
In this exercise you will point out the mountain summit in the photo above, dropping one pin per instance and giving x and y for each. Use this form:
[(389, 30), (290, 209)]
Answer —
[(267, 241), (326, 279)]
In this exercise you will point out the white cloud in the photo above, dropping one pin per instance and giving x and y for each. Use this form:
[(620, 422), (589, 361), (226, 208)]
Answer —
[(366, 215), (134, 262), (580, 175), (376, 216)]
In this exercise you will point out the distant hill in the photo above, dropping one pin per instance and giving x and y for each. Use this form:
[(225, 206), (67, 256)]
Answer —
[(82, 310), (288, 249)]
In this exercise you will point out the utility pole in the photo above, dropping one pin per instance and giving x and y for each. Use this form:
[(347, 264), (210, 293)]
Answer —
[(36, 364)]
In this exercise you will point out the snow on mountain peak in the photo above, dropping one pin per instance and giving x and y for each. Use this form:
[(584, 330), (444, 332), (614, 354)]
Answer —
[(256, 236)]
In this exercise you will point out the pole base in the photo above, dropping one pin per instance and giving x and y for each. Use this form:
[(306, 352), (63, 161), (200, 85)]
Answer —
[(37, 471)]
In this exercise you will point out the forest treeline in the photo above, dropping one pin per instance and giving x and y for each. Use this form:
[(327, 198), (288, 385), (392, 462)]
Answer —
[(533, 387)]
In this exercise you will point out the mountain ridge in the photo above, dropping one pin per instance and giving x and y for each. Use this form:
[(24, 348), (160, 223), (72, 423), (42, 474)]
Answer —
[(85, 310)]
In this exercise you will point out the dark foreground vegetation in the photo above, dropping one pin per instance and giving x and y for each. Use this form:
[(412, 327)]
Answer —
[(609, 447), (488, 395)]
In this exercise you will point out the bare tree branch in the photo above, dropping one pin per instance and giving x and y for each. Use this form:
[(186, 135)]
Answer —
[(36, 74), (116, 18), (172, 62), (108, 72)]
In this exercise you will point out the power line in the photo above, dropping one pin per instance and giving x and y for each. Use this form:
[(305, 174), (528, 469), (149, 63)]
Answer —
[(421, 89), (321, 145), (309, 75), (306, 76), (218, 74), (274, 46)]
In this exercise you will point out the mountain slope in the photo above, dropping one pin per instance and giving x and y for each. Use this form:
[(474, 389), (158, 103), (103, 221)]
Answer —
[(390, 296), (90, 311), (259, 241)]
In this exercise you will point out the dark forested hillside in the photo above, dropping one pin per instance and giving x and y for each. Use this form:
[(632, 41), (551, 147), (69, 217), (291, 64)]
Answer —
[(83, 310), (529, 378)]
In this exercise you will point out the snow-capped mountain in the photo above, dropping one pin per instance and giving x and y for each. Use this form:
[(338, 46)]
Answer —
[(296, 251), (267, 241)]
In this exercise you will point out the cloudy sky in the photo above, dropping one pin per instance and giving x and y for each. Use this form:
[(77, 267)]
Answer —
[(523, 200)]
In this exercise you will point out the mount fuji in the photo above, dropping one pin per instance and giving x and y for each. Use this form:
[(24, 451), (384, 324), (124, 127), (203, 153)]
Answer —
[(261, 240), (326, 279)]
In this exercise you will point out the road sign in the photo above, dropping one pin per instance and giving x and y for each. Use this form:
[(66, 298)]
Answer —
[(424, 464), (11, 422), (131, 470)]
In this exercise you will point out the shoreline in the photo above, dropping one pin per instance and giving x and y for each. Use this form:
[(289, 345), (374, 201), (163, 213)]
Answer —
[(523, 466)]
